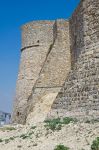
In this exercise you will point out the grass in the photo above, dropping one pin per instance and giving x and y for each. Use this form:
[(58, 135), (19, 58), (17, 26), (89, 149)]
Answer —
[(7, 141), (7, 128), (24, 136), (19, 146), (1, 140), (95, 144), (92, 121), (56, 124), (12, 138), (33, 127), (30, 133), (27, 135), (67, 120), (61, 147)]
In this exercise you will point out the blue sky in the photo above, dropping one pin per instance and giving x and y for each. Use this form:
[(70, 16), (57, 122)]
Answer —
[(13, 14)]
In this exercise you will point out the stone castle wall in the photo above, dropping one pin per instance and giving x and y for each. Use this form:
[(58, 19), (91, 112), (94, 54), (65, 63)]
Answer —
[(79, 96), (59, 69), (45, 51), (52, 76), (37, 38), (84, 28)]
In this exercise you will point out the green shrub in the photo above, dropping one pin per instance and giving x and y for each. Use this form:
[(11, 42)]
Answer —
[(61, 147), (56, 124), (59, 126), (67, 120), (57, 120), (1, 140), (7, 141), (12, 138), (35, 144), (88, 121), (7, 129), (33, 127), (27, 135), (31, 133), (92, 121), (95, 144), (10, 128), (24, 136), (19, 146)]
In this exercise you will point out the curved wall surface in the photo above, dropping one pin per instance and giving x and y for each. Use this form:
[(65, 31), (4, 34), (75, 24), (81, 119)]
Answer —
[(45, 51), (37, 37), (53, 74)]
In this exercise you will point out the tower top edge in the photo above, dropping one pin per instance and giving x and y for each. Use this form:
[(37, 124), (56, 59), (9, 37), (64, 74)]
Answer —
[(42, 22)]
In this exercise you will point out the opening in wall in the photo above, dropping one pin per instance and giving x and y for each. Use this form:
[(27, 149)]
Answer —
[(18, 114)]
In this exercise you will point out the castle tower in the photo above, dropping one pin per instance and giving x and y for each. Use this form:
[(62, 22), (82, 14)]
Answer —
[(79, 96), (49, 50), (45, 50), (37, 38), (53, 74)]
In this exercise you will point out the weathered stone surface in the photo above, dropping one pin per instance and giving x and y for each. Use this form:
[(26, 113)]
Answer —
[(37, 38), (43, 68), (80, 94), (59, 69), (53, 73)]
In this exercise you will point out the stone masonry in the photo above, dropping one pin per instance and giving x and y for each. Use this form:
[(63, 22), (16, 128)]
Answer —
[(79, 96), (45, 62), (59, 68)]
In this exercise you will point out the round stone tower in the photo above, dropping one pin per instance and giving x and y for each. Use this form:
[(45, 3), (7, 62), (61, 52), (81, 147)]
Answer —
[(45, 62), (37, 38)]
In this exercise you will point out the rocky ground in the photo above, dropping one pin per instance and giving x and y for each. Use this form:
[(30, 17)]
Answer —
[(75, 135)]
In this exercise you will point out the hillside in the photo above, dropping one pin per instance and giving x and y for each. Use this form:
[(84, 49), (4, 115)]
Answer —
[(49, 134)]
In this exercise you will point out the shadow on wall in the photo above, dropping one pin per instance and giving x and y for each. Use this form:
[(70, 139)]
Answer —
[(76, 25)]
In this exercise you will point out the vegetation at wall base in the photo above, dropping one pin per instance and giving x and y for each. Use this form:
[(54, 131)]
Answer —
[(61, 147), (56, 124), (95, 144)]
